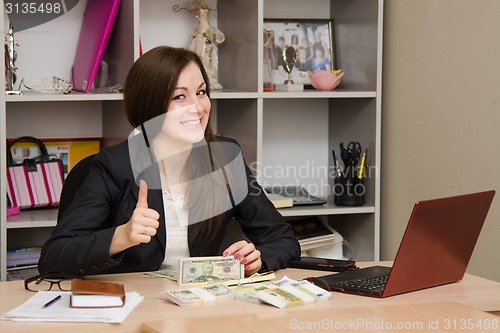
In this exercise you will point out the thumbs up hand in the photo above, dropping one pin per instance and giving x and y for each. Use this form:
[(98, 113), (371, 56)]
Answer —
[(142, 200), (144, 221), (141, 226)]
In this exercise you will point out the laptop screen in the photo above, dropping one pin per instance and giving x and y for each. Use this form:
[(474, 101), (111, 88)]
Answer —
[(438, 242)]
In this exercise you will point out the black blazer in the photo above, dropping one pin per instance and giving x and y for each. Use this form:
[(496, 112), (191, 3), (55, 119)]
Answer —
[(79, 244)]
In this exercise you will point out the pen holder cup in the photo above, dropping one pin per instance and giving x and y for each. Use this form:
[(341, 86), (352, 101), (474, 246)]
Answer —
[(349, 191)]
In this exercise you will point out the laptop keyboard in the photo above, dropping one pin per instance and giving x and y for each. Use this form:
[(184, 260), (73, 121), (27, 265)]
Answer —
[(366, 284)]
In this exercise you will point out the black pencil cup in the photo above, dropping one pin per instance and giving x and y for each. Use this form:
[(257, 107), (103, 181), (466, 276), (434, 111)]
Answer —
[(349, 191)]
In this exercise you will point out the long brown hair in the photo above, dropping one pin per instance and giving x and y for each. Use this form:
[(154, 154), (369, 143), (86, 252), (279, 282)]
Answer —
[(147, 92)]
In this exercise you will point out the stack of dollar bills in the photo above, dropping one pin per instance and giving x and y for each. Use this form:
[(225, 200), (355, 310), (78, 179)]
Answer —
[(287, 292), (198, 295), (209, 279), (282, 294), (173, 275), (209, 270)]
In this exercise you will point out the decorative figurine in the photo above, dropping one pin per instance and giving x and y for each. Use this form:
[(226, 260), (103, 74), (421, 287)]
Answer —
[(10, 62), (326, 80), (269, 59), (205, 41)]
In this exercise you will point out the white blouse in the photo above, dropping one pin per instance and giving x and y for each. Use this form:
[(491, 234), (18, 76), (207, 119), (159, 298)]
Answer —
[(176, 224)]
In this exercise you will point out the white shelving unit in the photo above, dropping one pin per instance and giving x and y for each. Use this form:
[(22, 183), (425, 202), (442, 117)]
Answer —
[(277, 130)]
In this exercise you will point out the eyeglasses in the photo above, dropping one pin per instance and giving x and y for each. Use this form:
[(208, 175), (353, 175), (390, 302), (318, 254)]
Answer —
[(45, 282)]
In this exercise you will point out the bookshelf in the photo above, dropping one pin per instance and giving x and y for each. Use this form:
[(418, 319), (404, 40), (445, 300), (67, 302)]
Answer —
[(277, 130)]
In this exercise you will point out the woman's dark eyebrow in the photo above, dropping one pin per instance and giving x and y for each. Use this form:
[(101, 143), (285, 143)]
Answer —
[(184, 88)]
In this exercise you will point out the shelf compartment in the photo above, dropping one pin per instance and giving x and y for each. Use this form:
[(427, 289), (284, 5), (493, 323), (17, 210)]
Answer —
[(31, 96), (327, 209), (33, 218), (321, 94)]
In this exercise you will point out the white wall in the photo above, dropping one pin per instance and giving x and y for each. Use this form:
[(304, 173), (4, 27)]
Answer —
[(441, 114)]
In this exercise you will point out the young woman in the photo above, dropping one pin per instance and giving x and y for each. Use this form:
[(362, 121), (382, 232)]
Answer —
[(170, 190)]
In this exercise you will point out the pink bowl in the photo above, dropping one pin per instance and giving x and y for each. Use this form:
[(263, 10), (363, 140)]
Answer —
[(325, 80)]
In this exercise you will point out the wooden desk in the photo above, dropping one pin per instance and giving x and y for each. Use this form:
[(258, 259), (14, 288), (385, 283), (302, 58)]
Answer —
[(475, 292), (404, 317)]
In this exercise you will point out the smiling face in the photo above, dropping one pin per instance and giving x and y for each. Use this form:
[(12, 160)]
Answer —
[(188, 111)]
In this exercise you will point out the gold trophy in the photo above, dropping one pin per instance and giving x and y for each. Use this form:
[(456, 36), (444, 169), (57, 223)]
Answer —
[(288, 59)]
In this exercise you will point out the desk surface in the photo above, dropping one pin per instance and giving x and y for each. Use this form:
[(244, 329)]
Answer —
[(403, 317), (473, 292)]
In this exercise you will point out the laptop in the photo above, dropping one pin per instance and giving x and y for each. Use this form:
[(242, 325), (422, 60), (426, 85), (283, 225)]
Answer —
[(435, 250), (298, 194), (98, 21)]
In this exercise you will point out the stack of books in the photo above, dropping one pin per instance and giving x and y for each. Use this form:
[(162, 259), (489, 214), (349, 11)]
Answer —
[(311, 233), (23, 257), (280, 201)]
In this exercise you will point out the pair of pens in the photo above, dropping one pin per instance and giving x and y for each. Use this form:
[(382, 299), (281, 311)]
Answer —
[(52, 301)]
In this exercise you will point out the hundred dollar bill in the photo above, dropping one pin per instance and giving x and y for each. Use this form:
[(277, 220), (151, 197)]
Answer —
[(202, 270)]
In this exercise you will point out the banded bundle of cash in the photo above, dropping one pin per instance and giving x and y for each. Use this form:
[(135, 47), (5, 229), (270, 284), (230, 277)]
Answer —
[(287, 292), (198, 295), (206, 270)]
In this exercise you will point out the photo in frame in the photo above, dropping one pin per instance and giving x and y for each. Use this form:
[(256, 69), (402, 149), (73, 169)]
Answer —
[(70, 151), (313, 41)]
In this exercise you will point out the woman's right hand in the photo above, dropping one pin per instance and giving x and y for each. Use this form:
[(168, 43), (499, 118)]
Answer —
[(141, 226)]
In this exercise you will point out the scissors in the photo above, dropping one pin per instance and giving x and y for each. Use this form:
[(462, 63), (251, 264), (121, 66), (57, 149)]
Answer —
[(352, 154)]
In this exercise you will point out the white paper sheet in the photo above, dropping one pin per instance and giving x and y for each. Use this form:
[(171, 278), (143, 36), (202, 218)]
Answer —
[(32, 309)]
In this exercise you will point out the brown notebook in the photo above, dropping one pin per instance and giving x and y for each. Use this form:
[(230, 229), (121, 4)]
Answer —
[(96, 294)]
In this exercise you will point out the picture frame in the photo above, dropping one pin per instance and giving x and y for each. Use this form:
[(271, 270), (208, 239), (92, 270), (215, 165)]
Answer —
[(69, 150), (310, 37)]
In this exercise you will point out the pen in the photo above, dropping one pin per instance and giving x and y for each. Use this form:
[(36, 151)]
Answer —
[(362, 165), (336, 164), (49, 303)]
